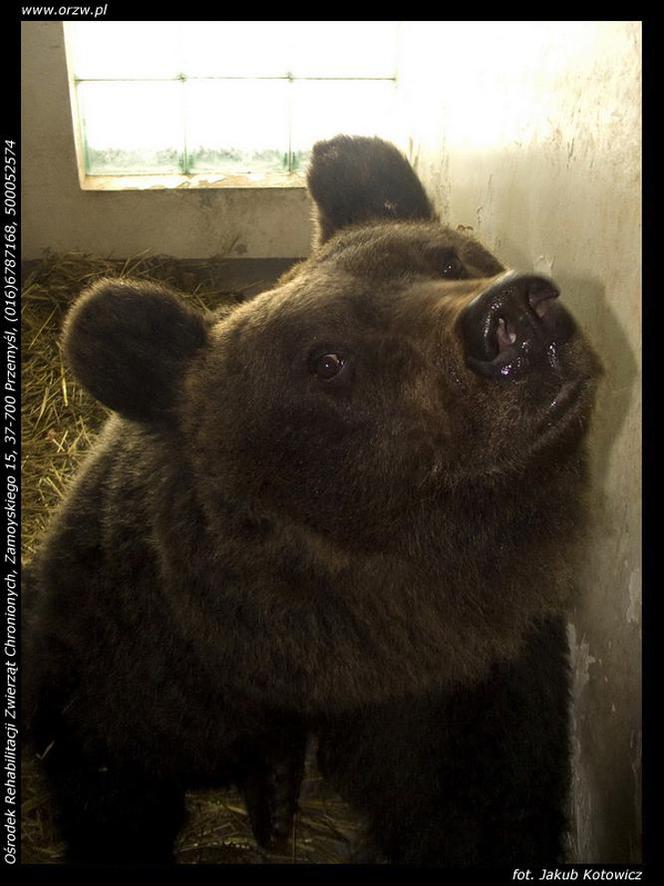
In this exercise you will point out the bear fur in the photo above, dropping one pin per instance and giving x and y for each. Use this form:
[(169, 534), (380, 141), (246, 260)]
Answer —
[(310, 517)]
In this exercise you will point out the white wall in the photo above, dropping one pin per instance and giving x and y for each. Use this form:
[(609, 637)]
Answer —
[(530, 133), (57, 214)]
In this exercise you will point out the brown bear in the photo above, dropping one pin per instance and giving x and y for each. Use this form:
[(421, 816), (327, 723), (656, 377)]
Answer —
[(347, 509)]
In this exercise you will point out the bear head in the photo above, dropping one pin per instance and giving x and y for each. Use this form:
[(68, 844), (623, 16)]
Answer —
[(400, 361)]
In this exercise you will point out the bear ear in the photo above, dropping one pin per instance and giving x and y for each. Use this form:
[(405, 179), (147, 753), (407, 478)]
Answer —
[(128, 342), (355, 179)]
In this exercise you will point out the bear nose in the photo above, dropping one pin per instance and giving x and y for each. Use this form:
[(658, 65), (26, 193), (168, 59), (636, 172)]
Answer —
[(514, 325)]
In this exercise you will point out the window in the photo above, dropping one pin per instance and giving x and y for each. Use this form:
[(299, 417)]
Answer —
[(225, 102)]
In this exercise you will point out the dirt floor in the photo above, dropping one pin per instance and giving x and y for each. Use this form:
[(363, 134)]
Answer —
[(60, 422)]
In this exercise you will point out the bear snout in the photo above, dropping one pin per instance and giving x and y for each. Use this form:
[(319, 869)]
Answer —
[(515, 326)]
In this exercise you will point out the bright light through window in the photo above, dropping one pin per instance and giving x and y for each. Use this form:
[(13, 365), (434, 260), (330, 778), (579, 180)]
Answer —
[(234, 98)]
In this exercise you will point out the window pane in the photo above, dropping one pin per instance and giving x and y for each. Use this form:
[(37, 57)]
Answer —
[(103, 50), (231, 97), (323, 109), (235, 49), (237, 126), (343, 49), (132, 127)]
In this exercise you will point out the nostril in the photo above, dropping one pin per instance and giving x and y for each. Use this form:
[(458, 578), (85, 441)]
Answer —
[(504, 334), (541, 293)]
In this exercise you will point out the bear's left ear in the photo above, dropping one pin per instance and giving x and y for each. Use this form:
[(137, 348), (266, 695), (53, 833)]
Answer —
[(128, 342), (354, 179)]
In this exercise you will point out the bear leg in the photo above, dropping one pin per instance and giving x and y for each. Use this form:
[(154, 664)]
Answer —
[(271, 788), (472, 777), (109, 815)]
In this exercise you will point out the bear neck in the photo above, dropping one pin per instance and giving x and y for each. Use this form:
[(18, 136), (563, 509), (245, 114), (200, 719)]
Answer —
[(298, 619)]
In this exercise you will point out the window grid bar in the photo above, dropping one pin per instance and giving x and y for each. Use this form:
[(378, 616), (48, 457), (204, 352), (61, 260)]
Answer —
[(183, 78), (289, 111), (184, 160)]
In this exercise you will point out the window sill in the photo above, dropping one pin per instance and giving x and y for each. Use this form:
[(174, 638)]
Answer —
[(191, 182)]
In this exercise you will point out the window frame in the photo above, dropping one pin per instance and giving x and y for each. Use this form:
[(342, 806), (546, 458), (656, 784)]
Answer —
[(182, 180)]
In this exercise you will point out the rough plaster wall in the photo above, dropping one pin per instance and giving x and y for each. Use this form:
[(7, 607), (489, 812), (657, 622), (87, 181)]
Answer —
[(529, 132), (250, 223)]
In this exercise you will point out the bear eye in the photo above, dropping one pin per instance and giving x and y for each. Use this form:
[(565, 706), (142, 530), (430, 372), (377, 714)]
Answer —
[(327, 366), (452, 268)]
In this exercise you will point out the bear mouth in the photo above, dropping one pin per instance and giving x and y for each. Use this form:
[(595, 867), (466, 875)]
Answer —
[(565, 406)]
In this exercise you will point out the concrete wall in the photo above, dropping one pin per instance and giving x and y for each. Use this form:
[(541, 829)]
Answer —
[(250, 223), (530, 133)]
